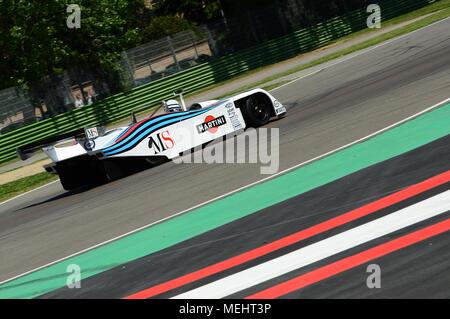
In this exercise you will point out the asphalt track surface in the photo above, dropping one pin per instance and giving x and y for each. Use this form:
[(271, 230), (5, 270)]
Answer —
[(426, 267), (326, 110)]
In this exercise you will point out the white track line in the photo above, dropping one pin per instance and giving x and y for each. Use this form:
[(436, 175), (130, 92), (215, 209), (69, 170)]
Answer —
[(243, 187), (361, 52), (302, 257), (23, 194)]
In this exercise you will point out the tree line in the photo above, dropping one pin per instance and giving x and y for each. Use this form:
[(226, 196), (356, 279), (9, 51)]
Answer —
[(35, 39)]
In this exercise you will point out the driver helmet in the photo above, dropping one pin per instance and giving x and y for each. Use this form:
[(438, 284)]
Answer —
[(172, 106)]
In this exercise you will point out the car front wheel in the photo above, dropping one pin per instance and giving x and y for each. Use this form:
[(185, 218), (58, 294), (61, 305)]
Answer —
[(256, 110)]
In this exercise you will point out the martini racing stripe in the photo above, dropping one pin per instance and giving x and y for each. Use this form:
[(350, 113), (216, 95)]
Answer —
[(141, 124), (132, 133), (131, 129), (149, 129)]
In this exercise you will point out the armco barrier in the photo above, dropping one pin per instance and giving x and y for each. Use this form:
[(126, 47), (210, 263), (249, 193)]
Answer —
[(119, 106)]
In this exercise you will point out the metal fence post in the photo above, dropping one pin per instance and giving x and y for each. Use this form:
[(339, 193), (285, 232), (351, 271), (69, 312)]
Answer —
[(169, 39), (211, 42), (194, 42), (127, 69)]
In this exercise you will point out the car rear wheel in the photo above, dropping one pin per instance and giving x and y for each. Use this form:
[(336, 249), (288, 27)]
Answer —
[(79, 172), (113, 170), (71, 180), (68, 181)]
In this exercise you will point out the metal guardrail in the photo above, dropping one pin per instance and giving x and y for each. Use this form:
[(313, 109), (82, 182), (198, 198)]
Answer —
[(119, 106)]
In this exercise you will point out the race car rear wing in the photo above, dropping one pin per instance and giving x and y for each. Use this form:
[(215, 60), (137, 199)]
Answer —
[(27, 150)]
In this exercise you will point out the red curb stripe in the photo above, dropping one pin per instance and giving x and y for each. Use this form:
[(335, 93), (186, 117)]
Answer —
[(351, 262), (296, 237)]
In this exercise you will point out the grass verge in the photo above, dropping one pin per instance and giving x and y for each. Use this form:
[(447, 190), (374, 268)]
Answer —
[(11, 189)]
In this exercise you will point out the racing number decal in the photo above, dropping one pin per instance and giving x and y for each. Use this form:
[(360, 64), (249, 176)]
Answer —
[(161, 142)]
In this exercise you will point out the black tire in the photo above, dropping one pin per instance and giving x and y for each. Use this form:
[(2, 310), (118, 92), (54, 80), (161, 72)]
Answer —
[(73, 180), (79, 173), (257, 110), (156, 160)]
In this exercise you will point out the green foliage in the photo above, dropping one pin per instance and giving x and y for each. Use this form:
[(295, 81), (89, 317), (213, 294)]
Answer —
[(35, 40), (198, 11), (163, 26)]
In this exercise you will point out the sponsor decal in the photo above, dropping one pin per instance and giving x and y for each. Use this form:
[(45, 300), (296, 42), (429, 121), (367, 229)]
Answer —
[(279, 108), (233, 116), (93, 132), (161, 142), (211, 124)]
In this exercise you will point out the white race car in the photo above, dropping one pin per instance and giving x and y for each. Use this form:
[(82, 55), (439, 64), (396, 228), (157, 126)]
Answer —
[(95, 155)]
